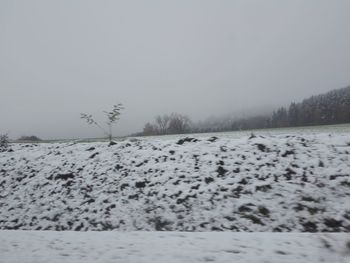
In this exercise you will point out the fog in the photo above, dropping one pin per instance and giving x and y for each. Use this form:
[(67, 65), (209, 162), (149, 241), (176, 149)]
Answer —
[(200, 58)]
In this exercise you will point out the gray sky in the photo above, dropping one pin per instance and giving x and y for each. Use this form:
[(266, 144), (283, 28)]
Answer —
[(201, 58)]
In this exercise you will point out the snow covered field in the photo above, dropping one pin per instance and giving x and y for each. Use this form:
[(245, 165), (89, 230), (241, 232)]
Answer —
[(131, 247), (281, 182)]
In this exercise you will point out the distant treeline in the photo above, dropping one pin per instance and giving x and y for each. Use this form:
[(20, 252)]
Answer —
[(174, 123), (31, 138), (330, 108)]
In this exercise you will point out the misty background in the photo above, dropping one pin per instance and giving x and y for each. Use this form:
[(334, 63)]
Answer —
[(200, 58)]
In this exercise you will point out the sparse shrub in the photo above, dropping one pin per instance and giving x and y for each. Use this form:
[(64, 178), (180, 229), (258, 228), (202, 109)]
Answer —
[(4, 142), (112, 118)]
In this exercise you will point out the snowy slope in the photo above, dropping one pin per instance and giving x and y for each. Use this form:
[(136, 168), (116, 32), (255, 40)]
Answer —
[(266, 183), (171, 247)]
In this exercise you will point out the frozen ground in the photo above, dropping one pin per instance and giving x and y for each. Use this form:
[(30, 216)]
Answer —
[(152, 247), (282, 183)]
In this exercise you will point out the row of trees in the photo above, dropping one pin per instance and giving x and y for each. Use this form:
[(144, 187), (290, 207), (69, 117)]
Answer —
[(31, 138), (174, 123), (329, 108)]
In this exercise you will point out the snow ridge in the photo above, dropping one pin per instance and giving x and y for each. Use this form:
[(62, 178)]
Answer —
[(276, 183)]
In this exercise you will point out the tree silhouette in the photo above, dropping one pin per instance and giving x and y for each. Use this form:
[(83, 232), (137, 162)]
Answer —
[(112, 118)]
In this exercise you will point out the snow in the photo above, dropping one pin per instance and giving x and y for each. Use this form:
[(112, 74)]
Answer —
[(280, 183), (229, 186), (113, 246)]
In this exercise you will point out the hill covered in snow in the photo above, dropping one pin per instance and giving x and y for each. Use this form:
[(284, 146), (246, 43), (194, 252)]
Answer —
[(276, 183)]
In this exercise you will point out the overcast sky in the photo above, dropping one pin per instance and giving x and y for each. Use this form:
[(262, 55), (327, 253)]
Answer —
[(201, 58)]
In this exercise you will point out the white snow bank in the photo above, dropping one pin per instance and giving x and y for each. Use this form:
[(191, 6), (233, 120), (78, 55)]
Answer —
[(152, 247), (264, 183)]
